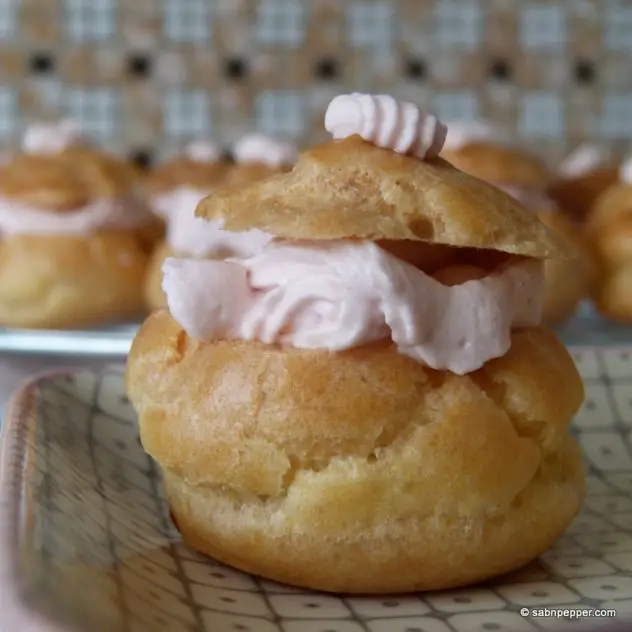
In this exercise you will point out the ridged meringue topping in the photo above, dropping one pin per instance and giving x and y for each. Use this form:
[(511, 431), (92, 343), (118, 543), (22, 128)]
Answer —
[(382, 120)]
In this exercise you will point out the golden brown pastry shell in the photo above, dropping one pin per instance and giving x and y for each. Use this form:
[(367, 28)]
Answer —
[(609, 232), (360, 471), (497, 164), (62, 281), (154, 296), (577, 196), (613, 291), (66, 181), (567, 281), (184, 172), (613, 295), (612, 205), (352, 189)]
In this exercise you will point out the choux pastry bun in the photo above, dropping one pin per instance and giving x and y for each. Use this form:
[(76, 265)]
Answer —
[(176, 187), (609, 231), (75, 237), (582, 177), (344, 412), (483, 152)]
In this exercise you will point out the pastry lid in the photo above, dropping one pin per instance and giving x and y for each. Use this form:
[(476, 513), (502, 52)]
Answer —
[(351, 188), (181, 171), (200, 166), (65, 180)]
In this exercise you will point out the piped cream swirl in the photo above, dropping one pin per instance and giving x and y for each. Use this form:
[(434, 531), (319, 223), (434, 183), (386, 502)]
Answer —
[(385, 122), (340, 295)]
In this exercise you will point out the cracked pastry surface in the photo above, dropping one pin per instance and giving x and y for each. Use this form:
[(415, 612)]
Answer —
[(349, 188), (364, 470)]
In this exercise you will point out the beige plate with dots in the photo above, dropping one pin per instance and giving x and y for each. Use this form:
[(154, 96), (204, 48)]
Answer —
[(86, 543)]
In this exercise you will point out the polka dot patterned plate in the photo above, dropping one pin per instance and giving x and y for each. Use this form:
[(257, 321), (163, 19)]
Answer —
[(86, 542)]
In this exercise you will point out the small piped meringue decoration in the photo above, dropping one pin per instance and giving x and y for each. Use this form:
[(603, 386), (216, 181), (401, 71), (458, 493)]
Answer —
[(258, 148), (51, 138), (462, 133), (344, 294), (202, 151), (625, 171), (582, 160), (385, 122)]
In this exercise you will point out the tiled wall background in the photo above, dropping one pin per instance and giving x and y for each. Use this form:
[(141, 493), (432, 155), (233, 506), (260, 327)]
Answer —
[(145, 76)]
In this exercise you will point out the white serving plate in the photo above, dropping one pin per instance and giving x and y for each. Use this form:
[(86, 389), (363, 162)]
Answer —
[(86, 543)]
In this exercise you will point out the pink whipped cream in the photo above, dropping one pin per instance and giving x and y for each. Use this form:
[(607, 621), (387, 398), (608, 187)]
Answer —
[(124, 213), (385, 122), (197, 237), (342, 294)]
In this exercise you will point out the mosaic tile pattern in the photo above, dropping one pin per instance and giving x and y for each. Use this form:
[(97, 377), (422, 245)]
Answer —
[(98, 548), (145, 76)]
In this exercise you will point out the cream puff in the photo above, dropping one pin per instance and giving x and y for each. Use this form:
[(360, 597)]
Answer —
[(609, 231), (481, 151), (581, 178), (369, 404), (75, 237), (178, 186), (173, 190)]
